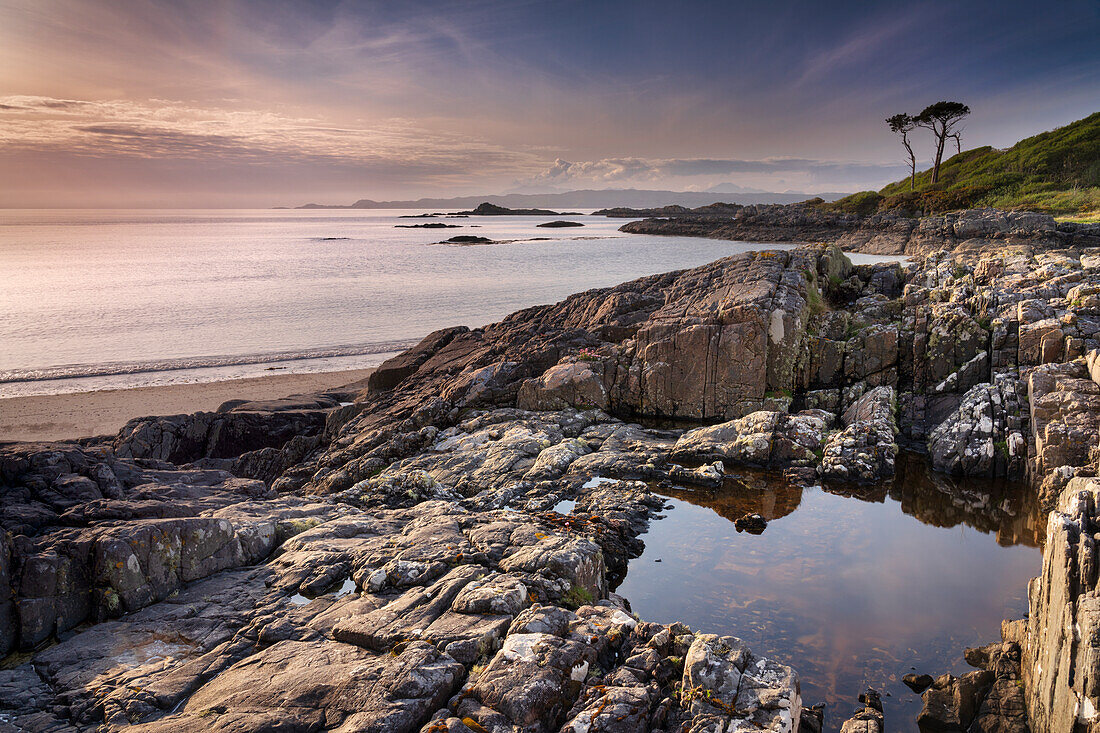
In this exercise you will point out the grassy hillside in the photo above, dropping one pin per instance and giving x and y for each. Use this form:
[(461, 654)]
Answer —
[(1056, 171)]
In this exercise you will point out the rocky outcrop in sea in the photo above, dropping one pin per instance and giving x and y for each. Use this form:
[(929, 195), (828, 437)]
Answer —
[(391, 559)]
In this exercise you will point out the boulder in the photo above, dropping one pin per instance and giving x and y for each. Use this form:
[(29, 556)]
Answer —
[(534, 679), (571, 384), (866, 448), (303, 686), (762, 438), (715, 354), (392, 372), (918, 683), (985, 435), (952, 702), (728, 685)]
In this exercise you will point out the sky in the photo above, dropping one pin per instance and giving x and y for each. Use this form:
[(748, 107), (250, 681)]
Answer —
[(235, 103)]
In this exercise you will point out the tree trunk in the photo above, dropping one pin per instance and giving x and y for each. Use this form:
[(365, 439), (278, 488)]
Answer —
[(912, 163), (941, 138)]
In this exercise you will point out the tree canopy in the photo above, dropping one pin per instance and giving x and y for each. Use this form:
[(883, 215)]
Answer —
[(902, 124), (942, 118)]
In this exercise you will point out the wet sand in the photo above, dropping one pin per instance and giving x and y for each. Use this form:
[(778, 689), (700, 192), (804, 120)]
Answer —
[(81, 414)]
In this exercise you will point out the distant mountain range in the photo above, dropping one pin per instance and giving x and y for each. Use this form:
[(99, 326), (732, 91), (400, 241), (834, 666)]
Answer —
[(593, 199)]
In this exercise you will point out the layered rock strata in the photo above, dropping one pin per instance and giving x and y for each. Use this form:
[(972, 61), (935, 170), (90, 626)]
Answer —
[(1060, 667)]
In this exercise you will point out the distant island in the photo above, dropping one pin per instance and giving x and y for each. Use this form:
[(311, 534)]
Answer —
[(488, 209), (590, 199)]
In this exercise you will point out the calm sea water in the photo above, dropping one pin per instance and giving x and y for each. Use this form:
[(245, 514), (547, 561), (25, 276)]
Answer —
[(94, 299)]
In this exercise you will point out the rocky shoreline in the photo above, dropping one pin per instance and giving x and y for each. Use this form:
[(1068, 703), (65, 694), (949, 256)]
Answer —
[(390, 559), (885, 234)]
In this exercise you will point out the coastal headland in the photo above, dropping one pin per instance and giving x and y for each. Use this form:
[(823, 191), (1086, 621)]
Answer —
[(387, 557)]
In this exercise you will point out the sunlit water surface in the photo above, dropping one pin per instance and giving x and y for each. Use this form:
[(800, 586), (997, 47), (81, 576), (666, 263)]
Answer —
[(850, 588), (95, 299)]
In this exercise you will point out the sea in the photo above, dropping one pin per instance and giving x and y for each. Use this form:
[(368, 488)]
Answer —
[(103, 299)]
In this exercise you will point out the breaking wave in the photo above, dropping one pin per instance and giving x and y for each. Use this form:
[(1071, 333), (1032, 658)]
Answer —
[(73, 371)]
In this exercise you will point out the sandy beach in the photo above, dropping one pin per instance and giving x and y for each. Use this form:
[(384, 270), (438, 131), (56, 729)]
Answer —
[(80, 414)]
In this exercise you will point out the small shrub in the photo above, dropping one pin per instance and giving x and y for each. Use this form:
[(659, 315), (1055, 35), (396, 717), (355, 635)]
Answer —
[(863, 203), (577, 597), (814, 300)]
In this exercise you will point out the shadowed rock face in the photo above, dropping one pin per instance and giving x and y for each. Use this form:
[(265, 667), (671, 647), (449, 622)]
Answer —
[(246, 427), (1060, 667), (726, 335), (390, 374)]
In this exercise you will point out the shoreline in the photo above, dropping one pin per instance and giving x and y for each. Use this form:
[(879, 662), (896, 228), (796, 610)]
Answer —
[(548, 488), (104, 412)]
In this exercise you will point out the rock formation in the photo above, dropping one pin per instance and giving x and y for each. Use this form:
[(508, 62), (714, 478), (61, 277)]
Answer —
[(391, 560), (560, 224), (402, 603), (1060, 667), (886, 233)]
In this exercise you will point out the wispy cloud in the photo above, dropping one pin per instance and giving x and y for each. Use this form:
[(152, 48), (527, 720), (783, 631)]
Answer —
[(162, 129), (868, 44), (608, 171)]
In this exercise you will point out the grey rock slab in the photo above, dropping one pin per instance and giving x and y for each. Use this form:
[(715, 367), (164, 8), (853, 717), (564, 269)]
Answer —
[(303, 686)]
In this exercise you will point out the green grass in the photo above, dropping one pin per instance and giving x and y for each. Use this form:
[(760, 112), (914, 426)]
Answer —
[(863, 203), (1057, 172), (1071, 202), (1088, 217), (577, 597), (815, 301)]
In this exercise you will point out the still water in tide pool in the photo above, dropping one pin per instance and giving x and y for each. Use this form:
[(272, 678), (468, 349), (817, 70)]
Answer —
[(853, 588)]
